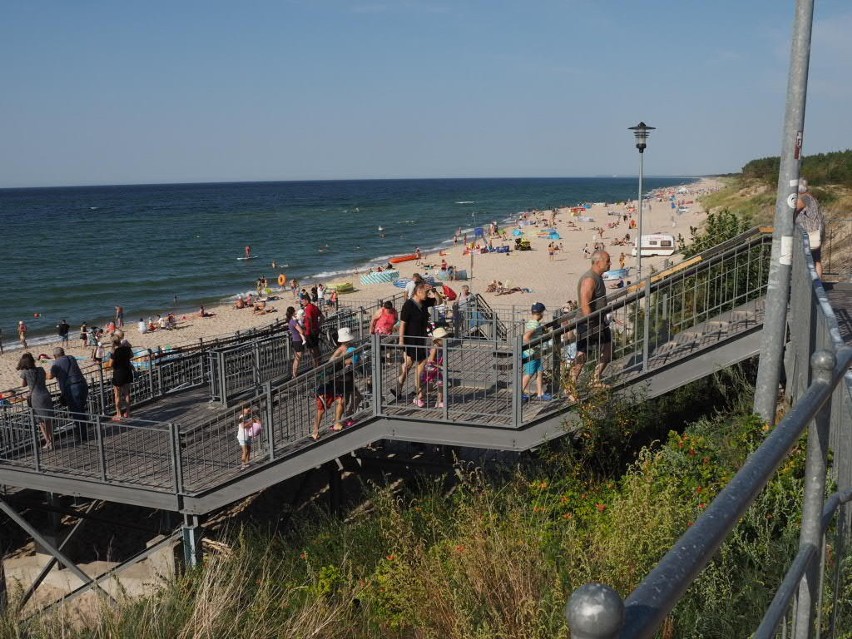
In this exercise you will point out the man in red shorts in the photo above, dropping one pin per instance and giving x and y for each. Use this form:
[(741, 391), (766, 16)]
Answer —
[(328, 394)]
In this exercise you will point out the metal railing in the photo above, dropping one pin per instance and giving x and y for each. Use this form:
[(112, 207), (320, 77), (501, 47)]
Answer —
[(479, 381), (819, 382), (837, 248), (131, 452)]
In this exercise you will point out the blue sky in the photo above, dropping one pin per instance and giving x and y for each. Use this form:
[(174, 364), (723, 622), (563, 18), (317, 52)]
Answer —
[(97, 92)]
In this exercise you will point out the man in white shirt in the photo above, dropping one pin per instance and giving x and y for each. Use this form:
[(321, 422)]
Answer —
[(409, 288)]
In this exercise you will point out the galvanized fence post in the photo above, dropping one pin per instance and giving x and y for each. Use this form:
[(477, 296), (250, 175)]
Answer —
[(101, 452), (255, 349), (446, 380), (101, 389), (517, 381), (177, 463), (36, 439), (270, 439), (378, 365), (150, 373), (220, 375), (822, 363)]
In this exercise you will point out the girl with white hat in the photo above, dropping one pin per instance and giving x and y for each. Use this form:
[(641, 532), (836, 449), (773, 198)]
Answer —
[(347, 354)]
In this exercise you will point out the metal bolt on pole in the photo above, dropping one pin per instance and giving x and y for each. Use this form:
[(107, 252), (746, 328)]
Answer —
[(777, 294)]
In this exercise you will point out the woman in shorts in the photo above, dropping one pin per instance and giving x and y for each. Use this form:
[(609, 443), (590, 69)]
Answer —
[(122, 376), (297, 337)]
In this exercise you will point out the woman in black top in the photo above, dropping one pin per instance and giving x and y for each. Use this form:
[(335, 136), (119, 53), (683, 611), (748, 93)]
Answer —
[(122, 376)]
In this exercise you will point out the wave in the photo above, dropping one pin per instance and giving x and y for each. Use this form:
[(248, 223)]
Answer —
[(466, 202)]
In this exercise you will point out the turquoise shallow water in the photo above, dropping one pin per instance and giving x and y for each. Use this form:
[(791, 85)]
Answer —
[(75, 253)]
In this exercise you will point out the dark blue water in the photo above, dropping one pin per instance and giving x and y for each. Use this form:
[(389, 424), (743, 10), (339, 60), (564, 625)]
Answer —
[(76, 253)]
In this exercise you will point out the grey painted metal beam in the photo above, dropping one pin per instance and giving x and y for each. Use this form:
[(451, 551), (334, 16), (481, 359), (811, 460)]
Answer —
[(89, 489)]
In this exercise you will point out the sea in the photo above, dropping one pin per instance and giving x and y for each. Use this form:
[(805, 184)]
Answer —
[(75, 253)]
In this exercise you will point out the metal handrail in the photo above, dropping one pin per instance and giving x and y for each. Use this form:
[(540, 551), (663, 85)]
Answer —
[(801, 563), (596, 611)]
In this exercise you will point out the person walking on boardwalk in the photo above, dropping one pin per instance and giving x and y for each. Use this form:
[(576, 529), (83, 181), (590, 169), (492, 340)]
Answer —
[(413, 335), (297, 336), (122, 376), (312, 324), (810, 218), (532, 354), (592, 331), (73, 389), (39, 400)]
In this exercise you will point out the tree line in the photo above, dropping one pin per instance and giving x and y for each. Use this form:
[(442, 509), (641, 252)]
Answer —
[(821, 169)]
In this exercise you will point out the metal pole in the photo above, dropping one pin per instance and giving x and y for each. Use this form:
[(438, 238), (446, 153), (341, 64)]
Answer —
[(775, 322), (639, 210), (822, 364), (646, 328)]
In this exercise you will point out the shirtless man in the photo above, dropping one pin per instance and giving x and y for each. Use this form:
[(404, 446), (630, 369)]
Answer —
[(592, 332)]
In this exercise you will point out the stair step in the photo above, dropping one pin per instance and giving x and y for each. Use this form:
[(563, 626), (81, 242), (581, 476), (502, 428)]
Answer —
[(719, 325)]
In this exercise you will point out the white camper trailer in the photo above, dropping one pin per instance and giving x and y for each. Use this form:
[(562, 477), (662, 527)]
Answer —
[(657, 244)]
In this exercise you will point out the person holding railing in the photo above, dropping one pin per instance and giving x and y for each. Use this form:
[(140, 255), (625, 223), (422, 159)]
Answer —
[(592, 331), (340, 390), (347, 358), (73, 388), (532, 354)]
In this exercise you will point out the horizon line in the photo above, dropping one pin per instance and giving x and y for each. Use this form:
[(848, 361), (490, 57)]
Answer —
[(319, 180)]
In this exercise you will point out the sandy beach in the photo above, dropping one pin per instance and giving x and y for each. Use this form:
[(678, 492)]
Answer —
[(551, 280)]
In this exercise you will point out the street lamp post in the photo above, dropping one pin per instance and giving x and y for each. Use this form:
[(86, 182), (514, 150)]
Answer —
[(641, 132)]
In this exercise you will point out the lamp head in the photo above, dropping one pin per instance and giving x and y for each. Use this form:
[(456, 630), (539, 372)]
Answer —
[(641, 131)]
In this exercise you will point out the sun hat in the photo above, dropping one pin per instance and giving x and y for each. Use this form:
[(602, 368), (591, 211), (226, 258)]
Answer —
[(538, 307), (440, 333), (344, 335)]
